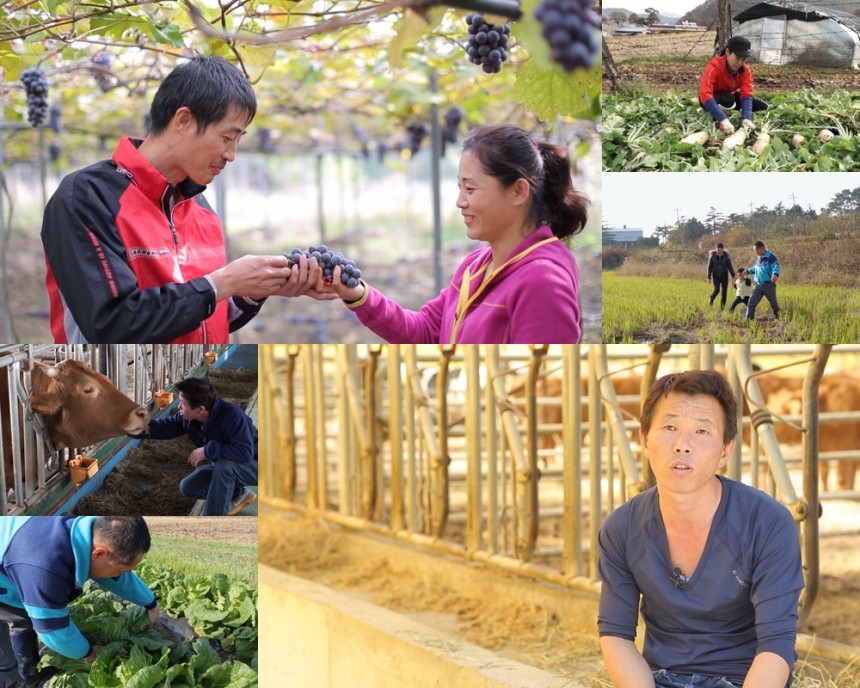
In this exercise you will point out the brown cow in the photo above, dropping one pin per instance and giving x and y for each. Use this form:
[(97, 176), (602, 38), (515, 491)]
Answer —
[(783, 395), (838, 392), (549, 388), (81, 407)]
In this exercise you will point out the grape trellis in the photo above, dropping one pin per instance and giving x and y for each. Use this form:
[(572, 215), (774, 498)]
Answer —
[(317, 68)]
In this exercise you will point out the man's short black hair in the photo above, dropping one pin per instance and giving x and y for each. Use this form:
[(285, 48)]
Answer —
[(198, 391), (209, 86), (127, 536), (759, 244), (719, 244)]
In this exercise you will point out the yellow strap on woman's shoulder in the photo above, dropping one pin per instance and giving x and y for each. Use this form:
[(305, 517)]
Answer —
[(464, 301)]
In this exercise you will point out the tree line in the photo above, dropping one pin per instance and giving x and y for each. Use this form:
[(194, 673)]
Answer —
[(837, 218)]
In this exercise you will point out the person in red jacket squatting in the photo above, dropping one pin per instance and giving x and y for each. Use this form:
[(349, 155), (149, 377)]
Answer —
[(517, 195), (133, 250), (727, 83)]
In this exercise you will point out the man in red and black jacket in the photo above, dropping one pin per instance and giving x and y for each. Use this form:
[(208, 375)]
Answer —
[(134, 252), (727, 83)]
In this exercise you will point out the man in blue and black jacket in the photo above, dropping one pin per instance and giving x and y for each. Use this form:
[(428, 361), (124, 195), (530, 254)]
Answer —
[(44, 563), (224, 436), (766, 272)]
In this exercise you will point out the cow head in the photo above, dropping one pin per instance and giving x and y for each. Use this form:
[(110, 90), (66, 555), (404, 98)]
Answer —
[(82, 407)]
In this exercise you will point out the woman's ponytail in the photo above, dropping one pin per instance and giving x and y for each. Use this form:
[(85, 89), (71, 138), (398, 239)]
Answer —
[(561, 206)]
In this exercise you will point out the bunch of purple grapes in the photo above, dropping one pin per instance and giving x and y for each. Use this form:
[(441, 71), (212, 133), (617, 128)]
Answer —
[(36, 89), (415, 135), (102, 74), (452, 124), (328, 260), (569, 26), (487, 44), (55, 118)]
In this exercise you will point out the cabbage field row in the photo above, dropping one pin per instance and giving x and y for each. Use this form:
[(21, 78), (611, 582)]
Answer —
[(806, 132), (223, 614)]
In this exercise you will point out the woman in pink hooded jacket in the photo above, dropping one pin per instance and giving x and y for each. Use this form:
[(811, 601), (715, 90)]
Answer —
[(518, 196)]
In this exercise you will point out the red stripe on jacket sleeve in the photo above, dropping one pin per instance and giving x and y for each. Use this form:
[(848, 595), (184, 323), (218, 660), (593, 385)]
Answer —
[(105, 266)]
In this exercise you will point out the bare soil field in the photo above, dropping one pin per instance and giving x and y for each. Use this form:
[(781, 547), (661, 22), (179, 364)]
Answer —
[(529, 633), (233, 529), (676, 60)]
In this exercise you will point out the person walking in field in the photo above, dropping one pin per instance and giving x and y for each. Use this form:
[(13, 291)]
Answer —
[(727, 84), (766, 272), (719, 268), (743, 289)]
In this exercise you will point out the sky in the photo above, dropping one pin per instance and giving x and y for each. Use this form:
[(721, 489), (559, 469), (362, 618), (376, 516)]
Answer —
[(679, 7), (645, 200)]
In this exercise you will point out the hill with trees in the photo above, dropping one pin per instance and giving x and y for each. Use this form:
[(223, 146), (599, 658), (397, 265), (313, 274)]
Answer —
[(820, 248)]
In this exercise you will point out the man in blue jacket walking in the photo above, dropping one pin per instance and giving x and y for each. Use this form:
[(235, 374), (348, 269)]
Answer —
[(224, 436), (44, 563), (766, 273)]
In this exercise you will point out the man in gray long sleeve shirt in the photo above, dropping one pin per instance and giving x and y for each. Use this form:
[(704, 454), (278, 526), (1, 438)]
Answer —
[(716, 563)]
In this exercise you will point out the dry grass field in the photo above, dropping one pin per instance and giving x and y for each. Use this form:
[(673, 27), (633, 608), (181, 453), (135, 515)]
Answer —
[(676, 60)]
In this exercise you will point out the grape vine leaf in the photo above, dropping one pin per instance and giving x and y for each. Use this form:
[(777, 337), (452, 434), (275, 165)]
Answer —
[(409, 31), (544, 87), (549, 92)]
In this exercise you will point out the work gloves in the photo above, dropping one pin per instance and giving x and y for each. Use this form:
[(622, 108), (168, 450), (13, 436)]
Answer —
[(727, 127)]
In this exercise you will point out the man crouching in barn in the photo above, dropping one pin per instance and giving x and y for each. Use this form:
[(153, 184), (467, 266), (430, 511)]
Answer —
[(45, 561), (224, 436), (716, 563)]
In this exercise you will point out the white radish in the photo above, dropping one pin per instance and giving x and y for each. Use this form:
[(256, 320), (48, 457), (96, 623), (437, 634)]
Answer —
[(700, 138), (798, 140), (761, 142), (736, 139), (825, 135)]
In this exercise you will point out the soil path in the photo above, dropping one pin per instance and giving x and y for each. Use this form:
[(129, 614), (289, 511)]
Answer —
[(233, 529)]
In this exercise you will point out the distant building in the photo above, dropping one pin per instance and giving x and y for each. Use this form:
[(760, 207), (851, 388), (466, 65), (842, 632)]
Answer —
[(630, 30), (621, 238), (683, 26)]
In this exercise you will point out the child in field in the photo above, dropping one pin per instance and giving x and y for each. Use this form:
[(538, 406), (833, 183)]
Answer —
[(743, 288)]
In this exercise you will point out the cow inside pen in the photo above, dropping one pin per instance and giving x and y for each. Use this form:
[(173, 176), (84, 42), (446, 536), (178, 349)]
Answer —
[(839, 393), (54, 405)]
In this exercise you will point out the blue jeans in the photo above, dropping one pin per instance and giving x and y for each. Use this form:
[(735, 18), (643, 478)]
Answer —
[(219, 483), (665, 679)]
